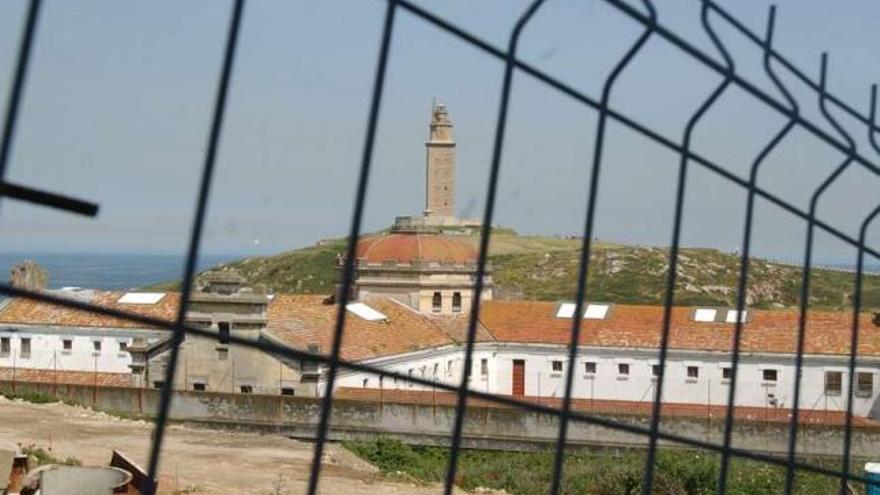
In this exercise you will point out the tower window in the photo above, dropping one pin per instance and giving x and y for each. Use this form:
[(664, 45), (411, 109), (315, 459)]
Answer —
[(456, 302), (436, 302)]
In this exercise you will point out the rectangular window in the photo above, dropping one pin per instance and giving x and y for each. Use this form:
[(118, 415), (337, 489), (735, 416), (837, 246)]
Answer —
[(67, 344), (449, 367), (247, 389), (222, 354), (223, 331), (158, 384), (287, 391), (590, 368), (436, 369), (456, 302), (199, 387), (5, 345), (123, 347), (436, 302), (25, 347), (864, 384), (726, 373), (770, 375), (557, 366), (484, 367), (693, 371), (96, 344), (833, 382), (366, 382), (623, 369)]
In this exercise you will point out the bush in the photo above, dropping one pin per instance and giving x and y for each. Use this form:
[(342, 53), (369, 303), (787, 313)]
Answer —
[(677, 472)]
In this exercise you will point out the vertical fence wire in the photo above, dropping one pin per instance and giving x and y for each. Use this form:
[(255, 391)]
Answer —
[(17, 89), (351, 249), (650, 458), (745, 253), (485, 233), (807, 275), (586, 246), (196, 233), (857, 309)]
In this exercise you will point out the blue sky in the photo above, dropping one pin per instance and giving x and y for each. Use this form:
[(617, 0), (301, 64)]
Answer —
[(119, 100)]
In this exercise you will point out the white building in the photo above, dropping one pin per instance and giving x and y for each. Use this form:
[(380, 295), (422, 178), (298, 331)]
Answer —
[(618, 358), (521, 350), (34, 335)]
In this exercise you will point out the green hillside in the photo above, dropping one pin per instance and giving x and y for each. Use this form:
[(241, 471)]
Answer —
[(545, 268)]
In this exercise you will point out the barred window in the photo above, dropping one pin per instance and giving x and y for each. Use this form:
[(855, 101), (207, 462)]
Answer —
[(833, 382), (864, 383)]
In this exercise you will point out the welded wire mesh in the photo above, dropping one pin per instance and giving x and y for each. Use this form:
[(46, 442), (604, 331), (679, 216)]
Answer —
[(645, 14)]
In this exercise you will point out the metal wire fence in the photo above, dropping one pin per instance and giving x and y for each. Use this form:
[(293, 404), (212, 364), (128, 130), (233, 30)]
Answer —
[(646, 16)]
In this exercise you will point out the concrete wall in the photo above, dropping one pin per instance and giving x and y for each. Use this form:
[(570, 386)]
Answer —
[(485, 427)]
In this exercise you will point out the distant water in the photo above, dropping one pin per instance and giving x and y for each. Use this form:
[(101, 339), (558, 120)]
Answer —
[(108, 271)]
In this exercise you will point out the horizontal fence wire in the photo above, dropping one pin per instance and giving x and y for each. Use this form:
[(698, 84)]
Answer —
[(787, 106)]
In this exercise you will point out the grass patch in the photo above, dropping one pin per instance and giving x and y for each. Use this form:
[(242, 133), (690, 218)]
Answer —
[(40, 456), (605, 473), (29, 396)]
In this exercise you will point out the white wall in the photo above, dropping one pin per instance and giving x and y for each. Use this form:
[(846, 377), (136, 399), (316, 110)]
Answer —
[(709, 387), (47, 348)]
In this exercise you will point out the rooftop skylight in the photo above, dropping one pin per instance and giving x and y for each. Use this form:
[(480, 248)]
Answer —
[(596, 311), (565, 310), (141, 297), (705, 314), (365, 312), (732, 314)]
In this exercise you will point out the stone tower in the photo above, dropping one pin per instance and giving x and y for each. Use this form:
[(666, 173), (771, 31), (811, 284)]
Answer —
[(440, 165)]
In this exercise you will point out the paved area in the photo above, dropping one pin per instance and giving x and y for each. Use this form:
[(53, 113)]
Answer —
[(194, 460)]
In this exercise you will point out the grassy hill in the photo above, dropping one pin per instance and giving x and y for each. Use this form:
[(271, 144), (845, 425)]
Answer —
[(545, 268)]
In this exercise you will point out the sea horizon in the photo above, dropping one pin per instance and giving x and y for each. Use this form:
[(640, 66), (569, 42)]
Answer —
[(109, 270)]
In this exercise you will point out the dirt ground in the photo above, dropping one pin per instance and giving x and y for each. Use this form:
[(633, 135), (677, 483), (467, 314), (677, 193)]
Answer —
[(194, 460)]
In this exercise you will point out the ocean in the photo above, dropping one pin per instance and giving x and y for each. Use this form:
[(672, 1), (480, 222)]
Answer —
[(114, 271)]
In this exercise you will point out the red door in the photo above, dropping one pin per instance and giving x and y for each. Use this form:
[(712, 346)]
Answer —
[(519, 377)]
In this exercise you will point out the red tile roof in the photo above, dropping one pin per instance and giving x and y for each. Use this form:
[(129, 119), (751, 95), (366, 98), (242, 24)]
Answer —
[(412, 247), (28, 311), (303, 320), (640, 326)]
